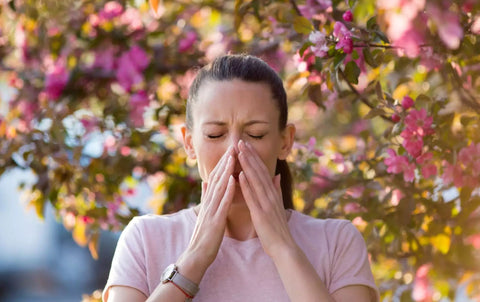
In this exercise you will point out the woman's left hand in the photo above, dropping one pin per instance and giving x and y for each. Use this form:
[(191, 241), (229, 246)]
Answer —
[(263, 197)]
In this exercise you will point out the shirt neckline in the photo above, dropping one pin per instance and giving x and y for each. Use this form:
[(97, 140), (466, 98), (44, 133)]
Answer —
[(192, 216)]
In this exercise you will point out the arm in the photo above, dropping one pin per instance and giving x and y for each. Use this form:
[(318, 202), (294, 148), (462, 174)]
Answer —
[(264, 199), (302, 282), (205, 242)]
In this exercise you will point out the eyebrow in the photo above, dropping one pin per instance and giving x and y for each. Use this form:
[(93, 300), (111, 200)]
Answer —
[(220, 123)]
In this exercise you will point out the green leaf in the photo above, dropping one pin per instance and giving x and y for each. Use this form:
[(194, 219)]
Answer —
[(355, 55), (373, 113), (423, 101), (367, 55), (351, 3), (382, 36), (304, 47), (352, 72), (372, 23), (302, 25), (379, 91), (338, 60)]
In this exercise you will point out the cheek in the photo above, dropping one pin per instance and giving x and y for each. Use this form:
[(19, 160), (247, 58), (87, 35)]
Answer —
[(268, 154), (207, 158)]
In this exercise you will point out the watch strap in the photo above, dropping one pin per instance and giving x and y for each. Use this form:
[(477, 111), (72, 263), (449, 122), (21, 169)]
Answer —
[(188, 287)]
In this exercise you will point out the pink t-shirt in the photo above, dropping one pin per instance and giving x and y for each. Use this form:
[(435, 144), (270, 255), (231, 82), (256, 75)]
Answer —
[(242, 271)]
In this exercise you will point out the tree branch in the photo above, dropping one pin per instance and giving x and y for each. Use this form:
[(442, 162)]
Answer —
[(295, 7), (360, 96)]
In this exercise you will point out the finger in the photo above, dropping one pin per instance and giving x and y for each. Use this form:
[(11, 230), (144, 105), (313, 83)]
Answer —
[(256, 158), (220, 164), (222, 183), (261, 184), (261, 169), (248, 195), (227, 199)]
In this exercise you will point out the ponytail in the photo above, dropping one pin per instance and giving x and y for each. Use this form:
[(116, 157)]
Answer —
[(285, 183)]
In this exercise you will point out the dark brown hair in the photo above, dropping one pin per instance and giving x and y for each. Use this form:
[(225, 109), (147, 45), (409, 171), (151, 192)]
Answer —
[(250, 69)]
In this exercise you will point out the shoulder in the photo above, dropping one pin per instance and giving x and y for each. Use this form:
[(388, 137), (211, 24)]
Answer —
[(153, 225), (332, 235), (328, 226)]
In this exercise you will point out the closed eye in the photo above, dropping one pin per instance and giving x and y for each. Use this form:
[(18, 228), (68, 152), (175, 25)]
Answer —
[(214, 136), (257, 136)]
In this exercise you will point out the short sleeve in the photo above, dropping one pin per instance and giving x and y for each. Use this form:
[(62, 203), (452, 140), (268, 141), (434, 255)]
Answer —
[(128, 264), (350, 265)]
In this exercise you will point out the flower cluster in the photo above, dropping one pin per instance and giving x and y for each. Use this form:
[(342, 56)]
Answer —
[(131, 65), (466, 171), (418, 125), (344, 36)]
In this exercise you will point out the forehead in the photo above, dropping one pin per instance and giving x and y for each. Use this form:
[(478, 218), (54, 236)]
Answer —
[(235, 99)]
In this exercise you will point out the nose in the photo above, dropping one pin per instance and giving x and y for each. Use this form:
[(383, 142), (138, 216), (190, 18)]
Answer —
[(234, 139)]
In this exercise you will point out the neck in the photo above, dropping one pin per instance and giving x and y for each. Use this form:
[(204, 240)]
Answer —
[(239, 223)]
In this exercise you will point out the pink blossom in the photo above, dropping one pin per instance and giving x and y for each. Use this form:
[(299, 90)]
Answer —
[(448, 24), (313, 7), (56, 79), (111, 10), (470, 158), (344, 37), (406, 24), (424, 158), (312, 146), (475, 28), (89, 124), (27, 109), (395, 118), (320, 49), (412, 142), (131, 65), (187, 42), (422, 288), (407, 102), (105, 59), (429, 170), (355, 192), (452, 173), (410, 42), (397, 164), (276, 59), (353, 207), (409, 172), (132, 18), (397, 195), (138, 102), (474, 240), (348, 16), (139, 56), (418, 122)]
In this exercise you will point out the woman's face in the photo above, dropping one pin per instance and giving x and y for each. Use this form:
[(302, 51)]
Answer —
[(228, 111)]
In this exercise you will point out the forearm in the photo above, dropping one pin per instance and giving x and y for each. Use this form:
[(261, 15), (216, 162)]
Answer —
[(190, 266), (299, 277)]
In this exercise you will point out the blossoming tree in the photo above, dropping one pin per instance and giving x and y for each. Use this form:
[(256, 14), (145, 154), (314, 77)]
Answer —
[(385, 96)]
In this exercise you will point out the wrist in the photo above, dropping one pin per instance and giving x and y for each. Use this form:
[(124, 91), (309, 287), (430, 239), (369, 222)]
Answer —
[(191, 266), (285, 253)]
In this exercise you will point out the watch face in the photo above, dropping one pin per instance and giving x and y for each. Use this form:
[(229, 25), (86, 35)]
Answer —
[(168, 273)]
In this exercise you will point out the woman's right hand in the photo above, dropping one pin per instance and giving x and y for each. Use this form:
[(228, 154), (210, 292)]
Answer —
[(217, 195)]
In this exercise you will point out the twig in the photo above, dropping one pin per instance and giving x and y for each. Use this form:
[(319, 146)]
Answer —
[(360, 96), (295, 7)]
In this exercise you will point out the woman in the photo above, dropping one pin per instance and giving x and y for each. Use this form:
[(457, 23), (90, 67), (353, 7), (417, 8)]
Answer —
[(243, 242)]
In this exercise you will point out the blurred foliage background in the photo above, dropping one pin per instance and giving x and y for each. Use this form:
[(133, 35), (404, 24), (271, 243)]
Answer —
[(384, 94)]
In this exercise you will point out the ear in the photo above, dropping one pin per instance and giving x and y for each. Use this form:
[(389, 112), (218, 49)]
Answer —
[(288, 136), (187, 142)]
